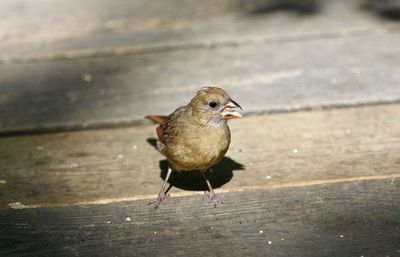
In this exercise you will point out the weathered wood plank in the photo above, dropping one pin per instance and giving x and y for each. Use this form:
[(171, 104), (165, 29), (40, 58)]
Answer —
[(37, 28), (89, 92), (277, 149), (361, 218)]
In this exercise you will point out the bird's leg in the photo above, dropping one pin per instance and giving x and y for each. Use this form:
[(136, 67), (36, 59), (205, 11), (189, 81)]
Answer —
[(162, 196), (212, 196)]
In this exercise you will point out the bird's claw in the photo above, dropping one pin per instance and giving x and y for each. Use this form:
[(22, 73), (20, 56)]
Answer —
[(162, 197), (213, 198)]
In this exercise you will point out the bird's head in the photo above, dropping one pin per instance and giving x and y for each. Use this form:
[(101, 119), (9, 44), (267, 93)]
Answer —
[(214, 106)]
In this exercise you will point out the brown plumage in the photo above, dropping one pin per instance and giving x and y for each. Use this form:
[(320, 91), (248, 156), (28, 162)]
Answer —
[(196, 136)]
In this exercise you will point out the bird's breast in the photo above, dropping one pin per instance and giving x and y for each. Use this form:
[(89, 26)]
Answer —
[(198, 148)]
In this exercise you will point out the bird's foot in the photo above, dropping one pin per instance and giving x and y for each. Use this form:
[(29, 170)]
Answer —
[(162, 197), (213, 198)]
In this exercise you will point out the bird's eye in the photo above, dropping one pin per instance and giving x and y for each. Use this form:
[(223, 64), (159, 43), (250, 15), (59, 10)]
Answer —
[(212, 104)]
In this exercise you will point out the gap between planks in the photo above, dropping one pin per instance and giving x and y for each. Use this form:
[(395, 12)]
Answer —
[(131, 123), (18, 205)]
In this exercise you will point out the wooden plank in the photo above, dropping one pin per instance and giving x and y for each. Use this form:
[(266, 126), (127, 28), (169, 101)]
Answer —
[(40, 28), (272, 150), (359, 218), (104, 91)]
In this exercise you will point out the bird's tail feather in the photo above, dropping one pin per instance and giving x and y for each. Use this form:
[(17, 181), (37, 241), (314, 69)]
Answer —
[(158, 119)]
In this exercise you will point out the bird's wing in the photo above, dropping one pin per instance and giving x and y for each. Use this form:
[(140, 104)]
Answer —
[(167, 131), (160, 133)]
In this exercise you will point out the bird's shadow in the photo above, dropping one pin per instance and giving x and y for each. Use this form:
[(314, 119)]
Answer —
[(218, 175)]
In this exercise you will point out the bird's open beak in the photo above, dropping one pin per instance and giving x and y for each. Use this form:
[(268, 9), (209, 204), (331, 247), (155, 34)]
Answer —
[(231, 110)]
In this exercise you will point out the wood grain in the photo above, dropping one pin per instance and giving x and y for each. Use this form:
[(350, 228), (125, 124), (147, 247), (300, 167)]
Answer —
[(42, 29), (267, 151), (318, 182), (114, 90), (359, 218)]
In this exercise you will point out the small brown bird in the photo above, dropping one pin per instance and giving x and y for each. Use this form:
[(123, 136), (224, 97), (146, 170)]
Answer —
[(196, 136)]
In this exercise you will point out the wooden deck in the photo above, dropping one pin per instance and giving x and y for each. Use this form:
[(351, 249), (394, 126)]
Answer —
[(313, 168)]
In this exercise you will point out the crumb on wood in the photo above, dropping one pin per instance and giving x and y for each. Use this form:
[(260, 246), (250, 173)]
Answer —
[(87, 77), (19, 205)]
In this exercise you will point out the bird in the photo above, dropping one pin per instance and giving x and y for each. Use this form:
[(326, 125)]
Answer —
[(196, 136)]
